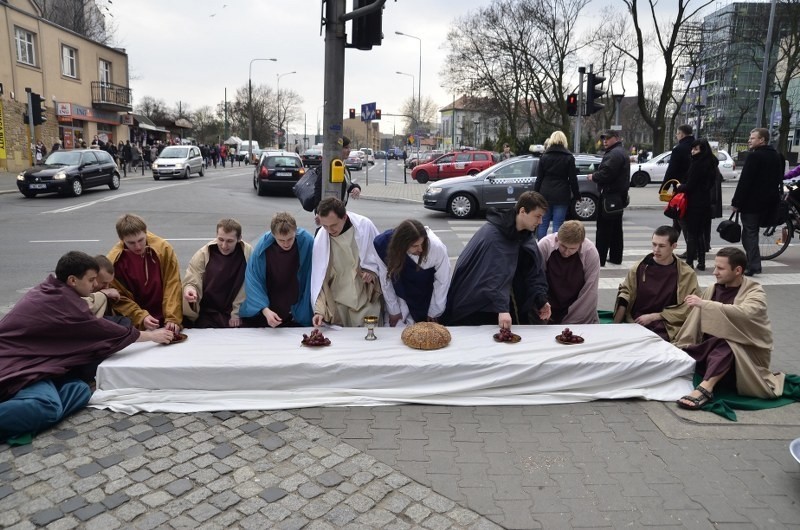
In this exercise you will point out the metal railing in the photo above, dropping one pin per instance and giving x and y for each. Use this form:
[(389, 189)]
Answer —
[(109, 94)]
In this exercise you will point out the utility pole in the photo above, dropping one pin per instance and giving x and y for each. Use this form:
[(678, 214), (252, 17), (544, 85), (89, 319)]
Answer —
[(576, 139)]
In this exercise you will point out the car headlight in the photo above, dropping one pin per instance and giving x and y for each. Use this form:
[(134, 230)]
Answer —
[(433, 191), (155, 165), (21, 176), (60, 176), (179, 165)]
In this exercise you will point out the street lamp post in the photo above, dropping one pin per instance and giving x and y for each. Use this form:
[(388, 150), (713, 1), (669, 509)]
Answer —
[(280, 121), (413, 121), (419, 84), (699, 107), (250, 106)]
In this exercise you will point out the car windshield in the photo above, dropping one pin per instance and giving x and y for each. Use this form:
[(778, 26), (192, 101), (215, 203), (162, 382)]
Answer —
[(63, 158), (174, 152), (283, 161)]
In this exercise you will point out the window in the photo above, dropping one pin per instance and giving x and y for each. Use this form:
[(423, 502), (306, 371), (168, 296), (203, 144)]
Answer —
[(69, 61), (481, 157), (105, 71), (463, 157), (25, 49)]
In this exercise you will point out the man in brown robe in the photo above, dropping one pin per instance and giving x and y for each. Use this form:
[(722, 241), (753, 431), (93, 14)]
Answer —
[(654, 291), (48, 341), (728, 333), (213, 286)]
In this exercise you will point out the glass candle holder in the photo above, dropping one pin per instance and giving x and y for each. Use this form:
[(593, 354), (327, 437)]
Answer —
[(370, 322)]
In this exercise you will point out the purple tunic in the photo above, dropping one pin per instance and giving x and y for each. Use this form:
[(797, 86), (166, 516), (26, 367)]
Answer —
[(282, 284), (714, 356), (565, 279), (222, 280)]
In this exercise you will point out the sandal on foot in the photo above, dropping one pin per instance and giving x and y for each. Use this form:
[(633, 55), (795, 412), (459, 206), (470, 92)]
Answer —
[(697, 402)]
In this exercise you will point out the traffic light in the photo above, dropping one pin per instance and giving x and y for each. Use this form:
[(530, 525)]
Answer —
[(593, 93), (37, 109), (352, 114), (377, 114), (572, 104), (367, 29)]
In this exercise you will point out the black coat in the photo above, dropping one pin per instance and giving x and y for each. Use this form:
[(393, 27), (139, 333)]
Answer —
[(760, 183), (558, 176), (679, 161), (614, 174), (698, 186)]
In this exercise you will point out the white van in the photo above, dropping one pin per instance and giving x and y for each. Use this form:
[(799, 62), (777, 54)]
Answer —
[(369, 156), (250, 156)]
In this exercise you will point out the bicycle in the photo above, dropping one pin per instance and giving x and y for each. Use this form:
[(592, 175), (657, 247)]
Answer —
[(774, 240)]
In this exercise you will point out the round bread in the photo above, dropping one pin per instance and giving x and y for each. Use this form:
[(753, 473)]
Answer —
[(426, 336)]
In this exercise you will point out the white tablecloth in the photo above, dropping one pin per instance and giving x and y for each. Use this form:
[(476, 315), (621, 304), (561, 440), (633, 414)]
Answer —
[(244, 369)]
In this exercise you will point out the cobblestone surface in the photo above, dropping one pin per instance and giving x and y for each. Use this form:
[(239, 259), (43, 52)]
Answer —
[(223, 475)]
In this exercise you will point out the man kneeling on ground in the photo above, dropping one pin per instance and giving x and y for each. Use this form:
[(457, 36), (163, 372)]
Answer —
[(47, 339), (654, 291), (728, 333)]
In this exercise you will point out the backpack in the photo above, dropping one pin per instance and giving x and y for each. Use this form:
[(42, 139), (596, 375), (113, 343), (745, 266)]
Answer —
[(304, 190)]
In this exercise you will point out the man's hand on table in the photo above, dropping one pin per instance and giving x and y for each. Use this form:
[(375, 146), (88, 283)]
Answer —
[(150, 323), (173, 327), (161, 336), (504, 320), (272, 317), (317, 320), (394, 319), (545, 312)]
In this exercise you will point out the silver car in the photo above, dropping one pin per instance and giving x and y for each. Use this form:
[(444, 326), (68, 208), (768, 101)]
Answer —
[(178, 161), (501, 185)]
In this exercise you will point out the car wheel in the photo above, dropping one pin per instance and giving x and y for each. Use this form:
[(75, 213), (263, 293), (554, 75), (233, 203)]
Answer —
[(187, 173), (155, 176), (462, 205), (422, 177), (77, 187), (640, 179), (28, 194), (473, 172), (585, 208), (114, 184), (261, 191), (202, 171)]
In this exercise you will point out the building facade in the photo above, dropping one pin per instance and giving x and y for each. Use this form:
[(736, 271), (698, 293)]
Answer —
[(85, 85)]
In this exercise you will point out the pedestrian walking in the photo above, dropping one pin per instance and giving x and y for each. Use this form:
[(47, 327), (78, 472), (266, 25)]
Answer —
[(613, 180), (557, 181), (699, 183)]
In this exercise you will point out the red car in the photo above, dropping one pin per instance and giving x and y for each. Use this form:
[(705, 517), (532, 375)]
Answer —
[(455, 164)]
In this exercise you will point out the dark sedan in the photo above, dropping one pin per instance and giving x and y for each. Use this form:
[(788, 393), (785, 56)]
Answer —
[(277, 170), (69, 173), (501, 185), (312, 157)]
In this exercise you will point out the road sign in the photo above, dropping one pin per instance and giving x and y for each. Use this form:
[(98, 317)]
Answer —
[(368, 111)]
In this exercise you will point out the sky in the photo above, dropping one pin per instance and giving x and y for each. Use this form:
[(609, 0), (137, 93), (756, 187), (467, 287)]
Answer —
[(178, 51)]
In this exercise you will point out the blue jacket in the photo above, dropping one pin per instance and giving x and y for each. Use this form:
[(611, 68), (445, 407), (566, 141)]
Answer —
[(255, 279)]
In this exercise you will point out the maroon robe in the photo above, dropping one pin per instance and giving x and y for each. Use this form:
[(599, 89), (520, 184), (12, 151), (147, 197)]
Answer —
[(222, 280), (282, 284), (141, 275), (50, 332), (565, 279), (657, 288)]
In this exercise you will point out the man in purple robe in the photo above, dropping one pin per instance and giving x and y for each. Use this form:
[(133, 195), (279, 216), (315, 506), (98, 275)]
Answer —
[(48, 340)]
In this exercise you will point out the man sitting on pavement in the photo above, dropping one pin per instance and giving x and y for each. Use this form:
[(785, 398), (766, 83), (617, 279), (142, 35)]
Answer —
[(572, 266), (278, 278), (728, 333), (499, 276), (213, 286), (414, 273), (344, 271), (654, 292), (48, 337), (147, 277)]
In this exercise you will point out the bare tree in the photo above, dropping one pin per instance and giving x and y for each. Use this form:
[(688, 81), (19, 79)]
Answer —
[(207, 127), (265, 113), (85, 17), (787, 69), (429, 111), (153, 109), (666, 40)]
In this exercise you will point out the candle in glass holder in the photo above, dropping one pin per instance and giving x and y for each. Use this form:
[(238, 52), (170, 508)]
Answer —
[(370, 323)]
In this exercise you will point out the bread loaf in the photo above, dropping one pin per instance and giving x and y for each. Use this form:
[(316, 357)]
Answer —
[(426, 336)]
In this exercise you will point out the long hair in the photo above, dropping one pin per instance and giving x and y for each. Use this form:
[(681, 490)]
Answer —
[(406, 233), (706, 154)]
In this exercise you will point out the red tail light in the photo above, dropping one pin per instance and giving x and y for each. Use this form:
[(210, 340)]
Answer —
[(263, 172)]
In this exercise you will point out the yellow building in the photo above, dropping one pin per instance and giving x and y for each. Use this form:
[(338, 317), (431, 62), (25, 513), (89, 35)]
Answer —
[(84, 85)]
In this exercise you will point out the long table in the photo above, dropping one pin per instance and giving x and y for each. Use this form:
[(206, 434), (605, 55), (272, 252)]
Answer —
[(246, 369)]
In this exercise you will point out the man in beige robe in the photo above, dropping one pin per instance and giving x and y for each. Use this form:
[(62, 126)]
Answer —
[(344, 267), (728, 333), (654, 290)]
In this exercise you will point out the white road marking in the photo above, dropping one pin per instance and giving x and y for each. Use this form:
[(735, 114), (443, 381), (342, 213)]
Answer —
[(65, 241)]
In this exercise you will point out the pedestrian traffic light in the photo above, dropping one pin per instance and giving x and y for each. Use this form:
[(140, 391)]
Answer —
[(572, 104), (593, 93), (352, 114), (367, 29), (377, 114), (37, 109)]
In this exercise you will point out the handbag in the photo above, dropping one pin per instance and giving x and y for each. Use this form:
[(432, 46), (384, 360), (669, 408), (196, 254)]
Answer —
[(613, 204), (676, 207), (664, 193), (730, 230), (304, 190)]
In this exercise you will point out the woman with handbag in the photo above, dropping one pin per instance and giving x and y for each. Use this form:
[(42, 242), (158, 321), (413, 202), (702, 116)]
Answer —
[(557, 182), (700, 181)]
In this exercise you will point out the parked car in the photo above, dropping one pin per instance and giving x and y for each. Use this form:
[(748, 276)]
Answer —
[(655, 169), (380, 155), (369, 156), (312, 157), (500, 186), (454, 164), (178, 161), (277, 170), (354, 162), (69, 173), (394, 153)]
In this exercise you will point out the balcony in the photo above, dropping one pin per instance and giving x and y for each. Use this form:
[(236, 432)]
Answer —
[(108, 96)]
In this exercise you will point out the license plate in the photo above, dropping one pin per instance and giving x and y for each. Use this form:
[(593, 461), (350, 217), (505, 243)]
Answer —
[(38, 186), (283, 174)]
